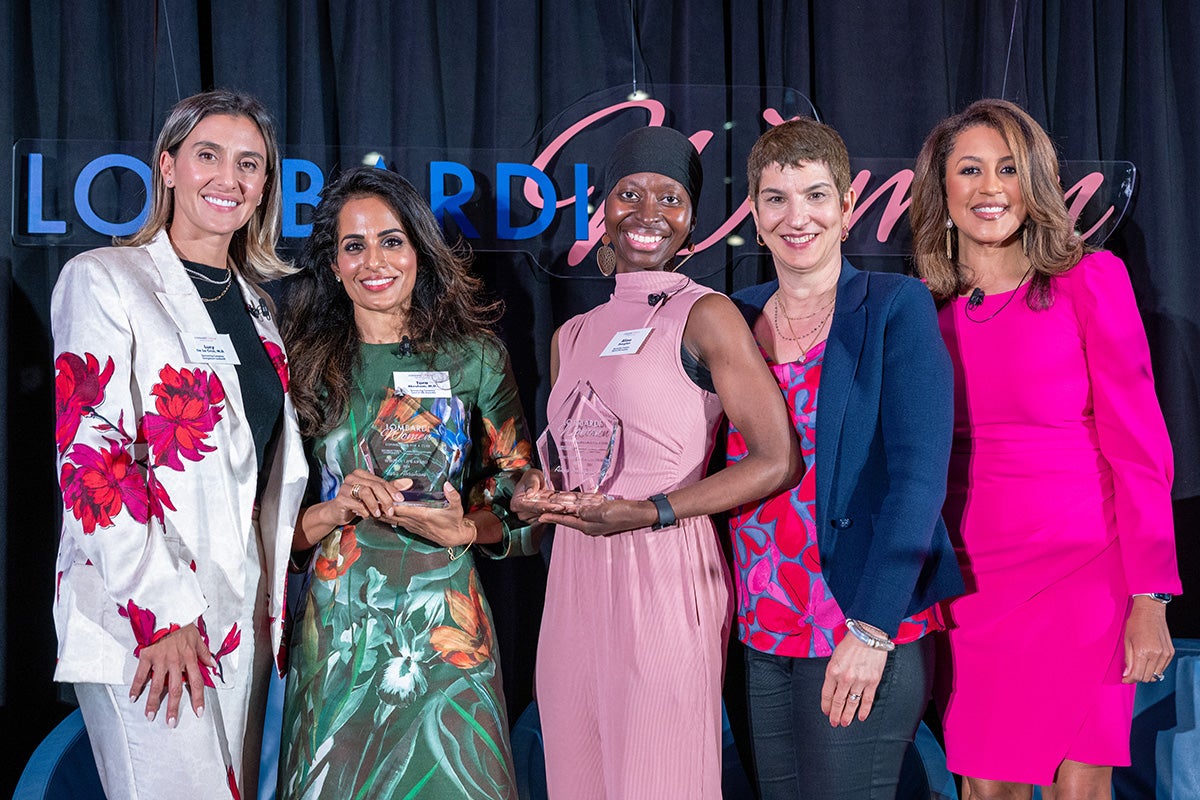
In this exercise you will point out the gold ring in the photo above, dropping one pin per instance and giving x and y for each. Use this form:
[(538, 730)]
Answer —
[(354, 490)]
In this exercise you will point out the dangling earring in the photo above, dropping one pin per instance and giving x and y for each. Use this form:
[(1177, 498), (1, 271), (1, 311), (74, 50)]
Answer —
[(845, 232), (949, 239), (758, 238), (691, 251), (606, 257), (1025, 238)]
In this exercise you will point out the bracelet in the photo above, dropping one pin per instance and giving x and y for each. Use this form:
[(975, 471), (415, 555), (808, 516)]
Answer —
[(467, 546), (870, 640), (666, 514), (1161, 597)]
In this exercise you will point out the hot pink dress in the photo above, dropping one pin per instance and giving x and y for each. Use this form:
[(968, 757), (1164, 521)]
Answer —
[(1059, 502), (633, 634)]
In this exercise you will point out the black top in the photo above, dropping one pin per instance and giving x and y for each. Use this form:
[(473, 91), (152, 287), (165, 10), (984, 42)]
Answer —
[(262, 394), (695, 370)]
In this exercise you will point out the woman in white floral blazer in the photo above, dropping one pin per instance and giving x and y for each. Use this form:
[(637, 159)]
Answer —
[(180, 465)]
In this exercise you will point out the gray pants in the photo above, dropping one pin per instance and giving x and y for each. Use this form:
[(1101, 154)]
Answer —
[(798, 754)]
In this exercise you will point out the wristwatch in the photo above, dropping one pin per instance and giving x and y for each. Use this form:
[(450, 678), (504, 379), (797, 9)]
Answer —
[(666, 514), (1161, 597)]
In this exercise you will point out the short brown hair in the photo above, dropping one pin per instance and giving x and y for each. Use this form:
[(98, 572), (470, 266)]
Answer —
[(795, 141), (1053, 247)]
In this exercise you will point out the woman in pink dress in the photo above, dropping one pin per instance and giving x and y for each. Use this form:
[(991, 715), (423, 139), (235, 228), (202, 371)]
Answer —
[(1060, 473), (632, 645)]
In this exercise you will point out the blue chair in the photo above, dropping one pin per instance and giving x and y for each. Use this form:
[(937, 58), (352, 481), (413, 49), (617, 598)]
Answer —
[(62, 766), (529, 759), (924, 776), (1165, 740)]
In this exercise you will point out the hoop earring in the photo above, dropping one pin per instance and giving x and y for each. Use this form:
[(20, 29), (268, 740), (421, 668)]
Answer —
[(758, 238), (845, 232), (606, 257), (949, 240)]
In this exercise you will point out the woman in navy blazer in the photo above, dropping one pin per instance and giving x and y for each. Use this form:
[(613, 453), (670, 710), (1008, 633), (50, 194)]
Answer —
[(838, 578)]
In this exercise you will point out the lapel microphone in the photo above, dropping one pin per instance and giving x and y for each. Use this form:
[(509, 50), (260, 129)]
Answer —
[(259, 310), (655, 299), (976, 298), (404, 347)]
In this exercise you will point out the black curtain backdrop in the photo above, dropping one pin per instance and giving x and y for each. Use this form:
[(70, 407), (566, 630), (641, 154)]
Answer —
[(1110, 80)]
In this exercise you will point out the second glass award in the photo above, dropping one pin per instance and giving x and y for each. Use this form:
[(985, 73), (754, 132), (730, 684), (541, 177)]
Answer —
[(580, 443)]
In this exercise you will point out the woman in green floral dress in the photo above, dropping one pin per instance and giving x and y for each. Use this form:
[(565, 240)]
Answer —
[(417, 438)]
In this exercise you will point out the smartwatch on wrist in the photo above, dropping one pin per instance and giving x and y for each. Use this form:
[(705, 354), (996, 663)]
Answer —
[(666, 514)]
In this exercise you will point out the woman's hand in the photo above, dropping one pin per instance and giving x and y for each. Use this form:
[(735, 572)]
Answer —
[(446, 526), (851, 679), (601, 515), (174, 662), (531, 496), (363, 494), (1148, 648), (360, 495)]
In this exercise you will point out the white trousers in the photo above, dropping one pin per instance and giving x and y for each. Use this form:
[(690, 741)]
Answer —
[(215, 756)]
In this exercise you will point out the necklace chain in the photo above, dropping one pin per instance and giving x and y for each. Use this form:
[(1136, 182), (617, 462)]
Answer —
[(199, 276), (810, 336), (804, 317), (966, 311)]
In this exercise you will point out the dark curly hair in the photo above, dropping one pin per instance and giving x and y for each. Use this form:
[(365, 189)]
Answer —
[(447, 305)]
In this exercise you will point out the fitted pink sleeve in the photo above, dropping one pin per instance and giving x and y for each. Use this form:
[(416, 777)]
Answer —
[(1129, 421)]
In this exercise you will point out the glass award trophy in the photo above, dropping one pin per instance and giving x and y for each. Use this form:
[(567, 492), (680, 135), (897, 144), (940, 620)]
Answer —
[(580, 443), (407, 441)]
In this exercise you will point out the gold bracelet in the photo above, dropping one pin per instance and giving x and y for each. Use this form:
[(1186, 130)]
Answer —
[(467, 546)]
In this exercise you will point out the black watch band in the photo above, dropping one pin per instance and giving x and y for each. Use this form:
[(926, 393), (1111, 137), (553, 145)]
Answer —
[(666, 514)]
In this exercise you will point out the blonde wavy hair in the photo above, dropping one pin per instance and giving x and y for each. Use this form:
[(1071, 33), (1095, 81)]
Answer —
[(252, 250)]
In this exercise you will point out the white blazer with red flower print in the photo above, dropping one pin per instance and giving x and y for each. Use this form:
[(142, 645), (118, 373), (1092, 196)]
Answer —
[(158, 470)]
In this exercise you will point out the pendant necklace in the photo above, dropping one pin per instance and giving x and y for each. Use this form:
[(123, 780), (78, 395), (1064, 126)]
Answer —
[(810, 336)]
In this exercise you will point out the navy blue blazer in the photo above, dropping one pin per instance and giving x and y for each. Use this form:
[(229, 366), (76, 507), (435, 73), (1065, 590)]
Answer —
[(885, 417)]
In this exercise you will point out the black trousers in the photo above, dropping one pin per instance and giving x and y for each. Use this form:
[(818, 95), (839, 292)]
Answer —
[(798, 754)]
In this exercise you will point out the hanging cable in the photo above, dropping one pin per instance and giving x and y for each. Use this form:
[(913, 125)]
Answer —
[(171, 48), (1012, 32), (632, 47), (636, 94)]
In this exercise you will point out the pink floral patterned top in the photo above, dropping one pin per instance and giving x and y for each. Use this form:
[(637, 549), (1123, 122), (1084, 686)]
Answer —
[(784, 606)]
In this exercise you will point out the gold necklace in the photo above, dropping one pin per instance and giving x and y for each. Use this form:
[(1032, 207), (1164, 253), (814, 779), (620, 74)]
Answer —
[(804, 317), (811, 335)]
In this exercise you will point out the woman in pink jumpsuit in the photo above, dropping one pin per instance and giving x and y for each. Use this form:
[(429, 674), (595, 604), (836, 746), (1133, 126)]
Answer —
[(632, 645), (1060, 473)]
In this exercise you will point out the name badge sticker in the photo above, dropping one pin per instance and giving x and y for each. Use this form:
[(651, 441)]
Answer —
[(422, 384), (626, 343), (208, 348)]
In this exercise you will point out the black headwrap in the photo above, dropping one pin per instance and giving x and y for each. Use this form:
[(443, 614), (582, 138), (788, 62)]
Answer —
[(665, 151)]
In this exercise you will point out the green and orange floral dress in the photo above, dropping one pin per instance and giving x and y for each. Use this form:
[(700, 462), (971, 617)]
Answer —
[(393, 689)]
